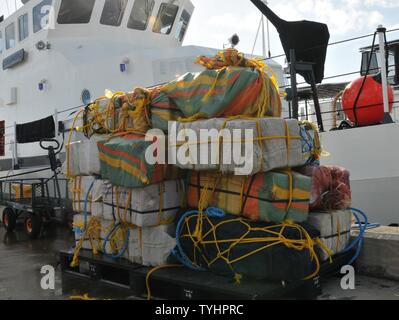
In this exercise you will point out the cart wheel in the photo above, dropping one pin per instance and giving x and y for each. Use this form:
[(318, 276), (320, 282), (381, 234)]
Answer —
[(9, 219), (33, 226)]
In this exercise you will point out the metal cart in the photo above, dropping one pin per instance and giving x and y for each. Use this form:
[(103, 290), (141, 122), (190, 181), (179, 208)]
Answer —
[(36, 201)]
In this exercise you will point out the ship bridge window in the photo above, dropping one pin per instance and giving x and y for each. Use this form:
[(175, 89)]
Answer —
[(75, 11), (41, 15), (23, 27), (113, 12), (182, 26), (10, 36), (140, 14), (166, 18)]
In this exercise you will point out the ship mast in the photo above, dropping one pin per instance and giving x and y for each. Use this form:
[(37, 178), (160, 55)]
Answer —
[(266, 36)]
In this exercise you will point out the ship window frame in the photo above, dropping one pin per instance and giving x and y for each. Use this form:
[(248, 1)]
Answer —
[(38, 15), (1, 42), (23, 33), (2, 138), (158, 28), (133, 23), (391, 72), (7, 36), (121, 15), (72, 18), (374, 66), (182, 26)]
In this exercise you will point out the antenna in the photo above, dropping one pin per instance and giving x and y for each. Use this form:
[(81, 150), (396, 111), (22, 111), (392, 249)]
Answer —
[(265, 34), (263, 37), (257, 35), (269, 46), (8, 8)]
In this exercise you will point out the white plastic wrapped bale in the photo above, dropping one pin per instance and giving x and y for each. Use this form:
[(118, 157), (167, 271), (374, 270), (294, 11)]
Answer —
[(276, 144), (144, 207), (151, 246), (82, 158), (79, 187), (335, 229), (95, 239)]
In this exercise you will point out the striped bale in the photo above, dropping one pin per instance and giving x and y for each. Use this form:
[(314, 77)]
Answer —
[(123, 163), (270, 197), (225, 92)]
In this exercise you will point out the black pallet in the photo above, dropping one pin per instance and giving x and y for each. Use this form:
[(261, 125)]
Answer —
[(179, 283)]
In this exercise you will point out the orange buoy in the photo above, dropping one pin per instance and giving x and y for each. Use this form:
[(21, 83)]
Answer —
[(369, 108)]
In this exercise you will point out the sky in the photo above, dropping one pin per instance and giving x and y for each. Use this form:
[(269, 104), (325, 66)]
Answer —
[(214, 21)]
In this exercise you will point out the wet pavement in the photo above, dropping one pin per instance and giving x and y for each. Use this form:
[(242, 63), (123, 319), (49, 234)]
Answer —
[(21, 261)]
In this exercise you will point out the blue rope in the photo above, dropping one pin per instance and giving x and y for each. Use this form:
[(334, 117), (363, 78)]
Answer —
[(178, 251), (359, 241), (125, 246), (77, 230), (308, 145), (122, 252), (85, 213)]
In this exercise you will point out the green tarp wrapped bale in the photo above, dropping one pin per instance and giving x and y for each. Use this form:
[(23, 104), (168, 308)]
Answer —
[(235, 247), (225, 92), (123, 163)]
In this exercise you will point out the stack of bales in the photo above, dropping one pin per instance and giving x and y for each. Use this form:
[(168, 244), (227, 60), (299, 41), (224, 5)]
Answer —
[(329, 206), (125, 207), (249, 221), (252, 223)]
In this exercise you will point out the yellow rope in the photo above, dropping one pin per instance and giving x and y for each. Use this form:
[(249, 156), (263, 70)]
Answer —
[(334, 107), (84, 297), (303, 244), (151, 272), (93, 229), (317, 149)]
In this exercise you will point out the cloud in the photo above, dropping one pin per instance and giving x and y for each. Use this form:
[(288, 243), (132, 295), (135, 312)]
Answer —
[(342, 16)]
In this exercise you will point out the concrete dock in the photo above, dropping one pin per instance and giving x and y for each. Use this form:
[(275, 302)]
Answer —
[(21, 261)]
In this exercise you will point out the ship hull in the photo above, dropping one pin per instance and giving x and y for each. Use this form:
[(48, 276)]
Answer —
[(371, 155)]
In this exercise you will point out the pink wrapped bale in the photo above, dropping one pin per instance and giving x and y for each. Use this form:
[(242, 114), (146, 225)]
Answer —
[(330, 187)]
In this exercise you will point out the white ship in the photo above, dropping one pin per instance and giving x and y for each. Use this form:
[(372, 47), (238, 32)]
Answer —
[(58, 55)]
